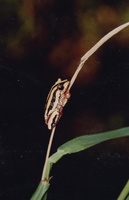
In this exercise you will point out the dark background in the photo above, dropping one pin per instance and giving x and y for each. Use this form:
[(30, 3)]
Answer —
[(41, 41)]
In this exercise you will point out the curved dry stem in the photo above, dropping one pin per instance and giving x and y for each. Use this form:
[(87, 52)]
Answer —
[(47, 154), (93, 49)]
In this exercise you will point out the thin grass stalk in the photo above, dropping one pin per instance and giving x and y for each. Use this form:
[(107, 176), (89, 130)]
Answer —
[(94, 49), (43, 178)]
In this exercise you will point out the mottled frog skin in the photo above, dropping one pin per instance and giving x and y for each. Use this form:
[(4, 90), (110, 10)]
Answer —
[(56, 100)]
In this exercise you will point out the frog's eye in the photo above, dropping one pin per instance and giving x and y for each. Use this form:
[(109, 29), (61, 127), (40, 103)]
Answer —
[(60, 86)]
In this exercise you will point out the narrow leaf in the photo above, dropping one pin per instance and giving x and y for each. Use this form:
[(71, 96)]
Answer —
[(86, 141), (127, 198), (124, 192), (73, 146)]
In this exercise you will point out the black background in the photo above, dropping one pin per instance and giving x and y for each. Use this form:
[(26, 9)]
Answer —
[(40, 42)]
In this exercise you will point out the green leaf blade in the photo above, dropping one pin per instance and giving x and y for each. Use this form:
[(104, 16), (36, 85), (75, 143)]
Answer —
[(73, 146), (124, 195), (86, 141)]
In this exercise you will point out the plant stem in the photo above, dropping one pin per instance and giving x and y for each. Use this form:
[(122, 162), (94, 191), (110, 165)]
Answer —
[(43, 178), (94, 49)]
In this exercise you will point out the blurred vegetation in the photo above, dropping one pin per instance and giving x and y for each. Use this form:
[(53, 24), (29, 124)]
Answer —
[(60, 30), (46, 39), (58, 24), (41, 41)]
